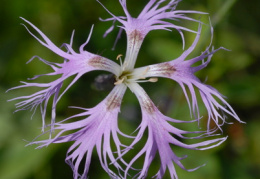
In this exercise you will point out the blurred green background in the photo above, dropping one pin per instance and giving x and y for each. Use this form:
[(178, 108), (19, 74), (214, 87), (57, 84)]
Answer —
[(234, 73)]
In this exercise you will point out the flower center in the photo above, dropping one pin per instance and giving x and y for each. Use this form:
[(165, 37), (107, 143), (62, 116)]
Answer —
[(130, 76), (125, 77), (137, 76)]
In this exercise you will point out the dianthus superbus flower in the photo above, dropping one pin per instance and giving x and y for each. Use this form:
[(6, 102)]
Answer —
[(97, 127)]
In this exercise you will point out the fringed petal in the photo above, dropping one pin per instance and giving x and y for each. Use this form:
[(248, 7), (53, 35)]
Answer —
[(75, 64), (98, 126), (161, 135), (182, 71)]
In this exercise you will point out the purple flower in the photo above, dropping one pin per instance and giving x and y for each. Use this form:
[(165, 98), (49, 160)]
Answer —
[(97, 127)]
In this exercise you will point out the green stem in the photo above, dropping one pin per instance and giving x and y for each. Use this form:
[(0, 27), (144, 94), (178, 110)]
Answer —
[(222, 12), (216, 19)]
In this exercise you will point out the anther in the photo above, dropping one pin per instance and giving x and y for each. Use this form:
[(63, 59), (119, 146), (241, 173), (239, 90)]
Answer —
[(119, 56), (153, 80)]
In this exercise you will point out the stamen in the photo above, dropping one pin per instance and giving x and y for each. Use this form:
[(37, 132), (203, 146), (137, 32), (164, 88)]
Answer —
[(153, 80), (119, 58), (119, 81)]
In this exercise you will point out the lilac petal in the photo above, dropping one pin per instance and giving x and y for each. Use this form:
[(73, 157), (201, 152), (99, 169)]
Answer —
[(75, 64), (161, 135), (154, 16), (94, 130), (182, 71)]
